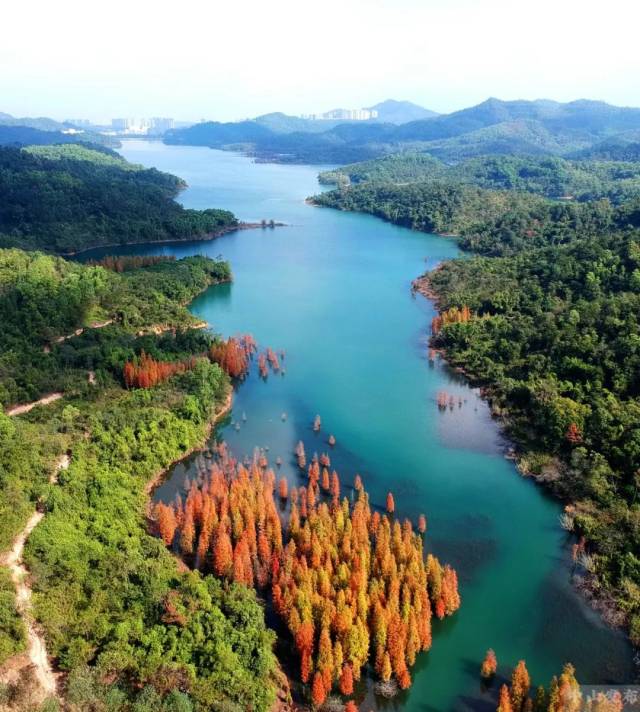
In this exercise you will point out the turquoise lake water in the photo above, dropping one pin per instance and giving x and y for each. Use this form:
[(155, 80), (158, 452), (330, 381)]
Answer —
[(333, 290)]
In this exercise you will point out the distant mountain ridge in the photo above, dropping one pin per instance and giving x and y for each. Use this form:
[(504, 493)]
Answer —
[(43, 123), (521, 127), (43, 131), (391, 111)]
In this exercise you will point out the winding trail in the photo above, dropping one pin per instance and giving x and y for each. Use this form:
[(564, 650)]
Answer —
[(13, 560), (26, 407)]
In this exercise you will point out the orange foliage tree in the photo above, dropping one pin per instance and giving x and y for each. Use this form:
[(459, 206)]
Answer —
[(520, 685), (146, 372), (563, 694), (489, 665), (234, 354), (504, 704), (451, 316), (349, 583), (391, 505), (573, 434)]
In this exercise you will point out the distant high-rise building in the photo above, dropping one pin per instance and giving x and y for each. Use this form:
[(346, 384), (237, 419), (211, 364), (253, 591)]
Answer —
[(120, 124), (156, 125), (84, 123), (344, 115), (161, 124)]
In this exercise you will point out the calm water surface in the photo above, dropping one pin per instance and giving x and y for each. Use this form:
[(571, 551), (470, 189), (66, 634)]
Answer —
[(332, 290)]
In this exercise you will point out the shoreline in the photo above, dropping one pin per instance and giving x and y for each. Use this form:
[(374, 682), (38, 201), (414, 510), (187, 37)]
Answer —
[(283, 702), (207, 237), (449, 235), (586, 585), (218, 414)]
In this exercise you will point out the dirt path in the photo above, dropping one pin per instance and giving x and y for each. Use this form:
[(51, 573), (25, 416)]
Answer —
[(60, 339), (36, 647), (26, 407)]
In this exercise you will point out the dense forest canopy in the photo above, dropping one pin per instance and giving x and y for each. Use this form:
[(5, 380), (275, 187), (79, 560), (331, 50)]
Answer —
[(67, 198), (552, 177), (44, 297), (490, 222), (107, 593)]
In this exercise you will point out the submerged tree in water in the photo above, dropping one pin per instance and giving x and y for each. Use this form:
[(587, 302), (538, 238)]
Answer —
[(391, 505), (504, 704), (422, 524), (520, 685), (234, 354), (348, 583), (563, 695), (489, 665)]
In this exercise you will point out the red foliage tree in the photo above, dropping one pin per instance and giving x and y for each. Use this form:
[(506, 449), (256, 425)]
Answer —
[(489, 665), (520, 685), (147, 372), (391, 505), (504, 704), (318, 692), (346, 680), (166, 522), (335, 485), (222, 553), (573, 434), (233, 355), (358, 575)]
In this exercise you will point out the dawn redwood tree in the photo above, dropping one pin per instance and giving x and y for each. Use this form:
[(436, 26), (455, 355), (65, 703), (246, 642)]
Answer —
[(222, 553), (346, 680), (166, 522), (573, 434), (349, 583), (404, 679), (520, 685), (391, 505), (187, 533), (489, 665), (147, 372), (422, 524), (318, 691), (504, 703), (335, 485)]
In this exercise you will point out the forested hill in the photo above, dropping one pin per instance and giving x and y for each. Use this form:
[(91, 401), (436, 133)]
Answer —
[(68, 198), (497, 205), (528, 128), (19, 135), (25, 131), (44, 297), (552, 177), (125, 624)]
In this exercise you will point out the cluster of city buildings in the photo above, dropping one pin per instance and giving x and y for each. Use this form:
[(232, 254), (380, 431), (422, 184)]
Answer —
[(344, 115), (154, 125)]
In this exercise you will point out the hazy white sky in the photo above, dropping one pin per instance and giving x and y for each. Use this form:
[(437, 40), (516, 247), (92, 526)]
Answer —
[(227, 60)]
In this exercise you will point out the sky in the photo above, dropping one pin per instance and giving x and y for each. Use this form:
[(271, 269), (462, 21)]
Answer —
[(228, 60)]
